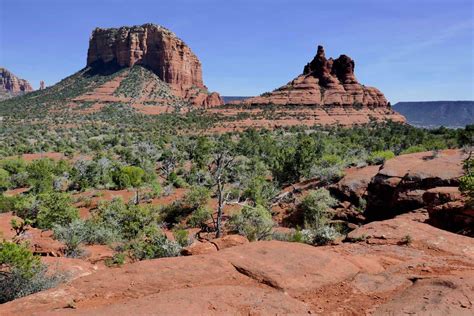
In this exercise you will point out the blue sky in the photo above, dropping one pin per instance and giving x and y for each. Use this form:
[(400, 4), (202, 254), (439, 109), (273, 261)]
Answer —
[(410, 49)]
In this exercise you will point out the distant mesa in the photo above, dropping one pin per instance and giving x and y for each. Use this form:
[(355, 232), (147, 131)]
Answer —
[(11, 85), (156, 49), (324, 82), (433, 114)]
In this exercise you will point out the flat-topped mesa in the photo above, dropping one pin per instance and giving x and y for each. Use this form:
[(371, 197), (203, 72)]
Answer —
[(157, 49), (325, 82)]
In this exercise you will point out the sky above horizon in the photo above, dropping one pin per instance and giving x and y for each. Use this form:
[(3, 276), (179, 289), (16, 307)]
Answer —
[(412, 50)]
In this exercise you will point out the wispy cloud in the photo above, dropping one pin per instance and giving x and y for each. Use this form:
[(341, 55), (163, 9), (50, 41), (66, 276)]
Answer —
[(409, 49)]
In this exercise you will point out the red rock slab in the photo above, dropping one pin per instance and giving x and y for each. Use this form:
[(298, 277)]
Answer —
[(446, 295), (355, 181), (289, 266), (396, 230), (209, 300), (445, 165)]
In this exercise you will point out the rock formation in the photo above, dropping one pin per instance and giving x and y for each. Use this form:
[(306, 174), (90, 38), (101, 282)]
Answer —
[(401, 182), (42, 85), (11, 85), (157, 49), (325, 82)]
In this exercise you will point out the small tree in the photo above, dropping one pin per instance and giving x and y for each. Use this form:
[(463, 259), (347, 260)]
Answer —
[(130, 176), (220, 169), (255, 223), (55, 208)]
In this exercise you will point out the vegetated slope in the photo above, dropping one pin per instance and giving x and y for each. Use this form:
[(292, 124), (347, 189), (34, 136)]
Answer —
[(437, 113), (146, 67)]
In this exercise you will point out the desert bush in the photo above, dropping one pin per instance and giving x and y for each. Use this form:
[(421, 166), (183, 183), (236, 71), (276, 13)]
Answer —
[(21, 273), (295, 235), (316, 208), (327, 174), (199, 217), (255, 223), (182, 237), (379, 157), (118, 259), (73, 235), (413, 149), (42, 172), (122, 221), (322, 235), (54, 208), (176, 181), (4, 180), (466, 182), (260, 191), (196, 197), (128, 176), (152, 243), (6, 203)]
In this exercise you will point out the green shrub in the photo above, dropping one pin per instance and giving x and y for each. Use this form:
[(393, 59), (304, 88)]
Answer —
[(259, 190), (118, 259), (200, 216), (7, 203), (196, 197), (255, 223), (42, 172), (22, 273), (73, 235), (55, 208), (125, 221), (293, 236), (24, 206), (5, 183), (379, 157), (466, 182), (322, 235), (177, 181), (315, 207), (13, 165), (413, 149), (128, 176), (152, 243), (182, 237)]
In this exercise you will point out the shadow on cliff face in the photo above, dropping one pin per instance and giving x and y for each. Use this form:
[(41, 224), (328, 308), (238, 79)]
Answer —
[(99, 68)]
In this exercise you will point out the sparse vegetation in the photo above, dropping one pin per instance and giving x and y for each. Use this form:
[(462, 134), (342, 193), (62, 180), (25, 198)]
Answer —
[(22, 273)]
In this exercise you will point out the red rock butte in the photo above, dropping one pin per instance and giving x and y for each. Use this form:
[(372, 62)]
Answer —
[(325, 82), (157, 49), (11, 85)]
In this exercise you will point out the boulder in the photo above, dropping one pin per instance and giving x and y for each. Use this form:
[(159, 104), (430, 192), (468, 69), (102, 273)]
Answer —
[(400, 184), (199, 248), (353, 186), (455, 216), (229, 241)]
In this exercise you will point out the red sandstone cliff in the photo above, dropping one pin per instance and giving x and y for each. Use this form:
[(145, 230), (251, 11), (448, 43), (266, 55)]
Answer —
[(324, 82), (11, 85), (157, 49)]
